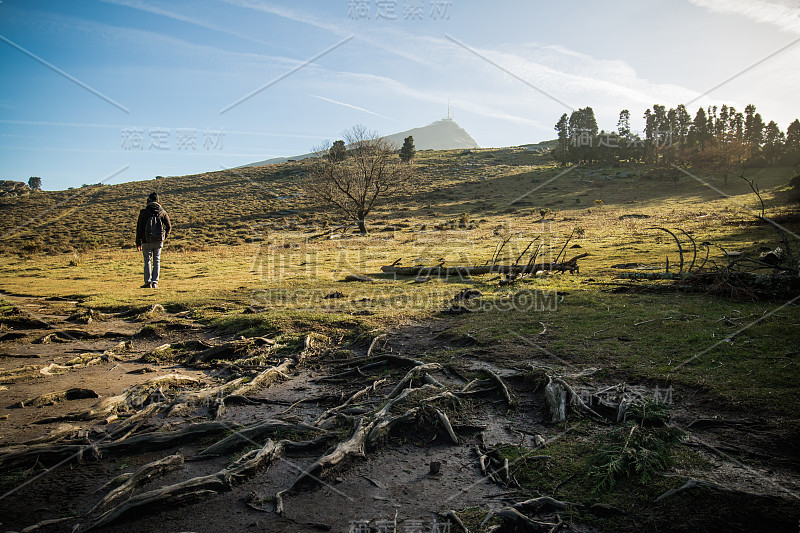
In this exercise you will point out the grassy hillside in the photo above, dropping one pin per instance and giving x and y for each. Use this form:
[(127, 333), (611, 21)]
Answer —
[(507, 187)]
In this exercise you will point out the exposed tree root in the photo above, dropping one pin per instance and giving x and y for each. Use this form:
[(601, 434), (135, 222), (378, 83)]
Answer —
[(513, 520), (252, 434), (148, 471), (193, 488), (49, 454), (692, 484), (58, 396), (417, 372), (500, 385)]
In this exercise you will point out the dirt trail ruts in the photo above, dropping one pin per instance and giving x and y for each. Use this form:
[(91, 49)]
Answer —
[(296, 408)]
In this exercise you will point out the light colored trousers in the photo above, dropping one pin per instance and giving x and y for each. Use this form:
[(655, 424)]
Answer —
[(152, 252)]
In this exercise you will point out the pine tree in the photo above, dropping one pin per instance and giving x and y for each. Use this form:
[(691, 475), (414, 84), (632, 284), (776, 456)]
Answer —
[(753, 129), (684, 121), (699, 129), (562, 127), (793, 135), (408, 151), (774, 140), (623, 124), (35, 183)]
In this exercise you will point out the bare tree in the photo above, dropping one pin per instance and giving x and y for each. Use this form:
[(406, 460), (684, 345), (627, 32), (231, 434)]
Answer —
[(356, 183)]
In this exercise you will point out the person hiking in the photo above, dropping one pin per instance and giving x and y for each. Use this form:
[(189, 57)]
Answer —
[(152, 229)]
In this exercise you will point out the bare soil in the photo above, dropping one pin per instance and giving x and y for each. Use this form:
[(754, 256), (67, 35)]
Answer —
[(396, 481)]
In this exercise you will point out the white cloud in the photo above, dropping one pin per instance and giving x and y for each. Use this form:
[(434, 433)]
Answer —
[(785, 17)]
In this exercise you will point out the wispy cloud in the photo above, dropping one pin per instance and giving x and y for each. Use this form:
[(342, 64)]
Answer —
[(472, 101), (564, 72), (785, 17), (351, 106), (378, 37), (182, 17), (291, 14), (189, 55), (556, 68)]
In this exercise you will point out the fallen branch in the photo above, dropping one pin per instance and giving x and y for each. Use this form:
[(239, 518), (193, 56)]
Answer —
[(570, 265)]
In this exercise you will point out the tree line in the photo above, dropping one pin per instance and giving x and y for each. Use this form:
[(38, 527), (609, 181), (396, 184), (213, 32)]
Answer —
[(720, 138)]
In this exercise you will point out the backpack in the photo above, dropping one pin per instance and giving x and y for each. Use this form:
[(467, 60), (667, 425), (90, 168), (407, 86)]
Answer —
[(153, 229)]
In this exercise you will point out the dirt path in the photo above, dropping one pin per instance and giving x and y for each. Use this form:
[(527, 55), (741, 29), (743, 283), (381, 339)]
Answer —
[(299, 435)]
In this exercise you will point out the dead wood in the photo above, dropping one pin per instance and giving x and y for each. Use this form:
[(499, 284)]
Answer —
[(369, 363), (451, 515), (556, 398), (500, 385), (253, 434), (447, 426), (45, 524), (231, 351), (369, 430), (49, 454), (354, 397), (50, 398), (352, 447), (543, 504), (417, 372), (513, 520), (198, 487), (373, 343), (148, 471), (692, 484), (570, 265), (12, 375)]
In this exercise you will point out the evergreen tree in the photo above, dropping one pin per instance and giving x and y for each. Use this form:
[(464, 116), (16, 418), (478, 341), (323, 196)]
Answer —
[(721, 127), (337, 152), (736, 126), (699, 129), (583, 130), (408, 151), (774, 140), (753, 129), (35, 183), (683, 121), (793, 141), (562, 127), (711, 126), (623, 124)]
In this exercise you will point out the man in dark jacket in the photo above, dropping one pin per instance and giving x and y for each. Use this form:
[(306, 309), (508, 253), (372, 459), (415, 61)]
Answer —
[(152, 229)]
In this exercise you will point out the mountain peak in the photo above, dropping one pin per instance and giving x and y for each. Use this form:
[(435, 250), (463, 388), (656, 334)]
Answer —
[(442, 134)]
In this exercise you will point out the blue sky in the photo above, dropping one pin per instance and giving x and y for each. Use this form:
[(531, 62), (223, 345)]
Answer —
[(123, 90)]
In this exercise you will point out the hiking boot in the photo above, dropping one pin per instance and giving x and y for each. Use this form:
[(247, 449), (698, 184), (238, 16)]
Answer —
[(146, 286)]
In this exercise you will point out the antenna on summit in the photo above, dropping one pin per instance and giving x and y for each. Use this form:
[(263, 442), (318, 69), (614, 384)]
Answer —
[(448, 110)]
